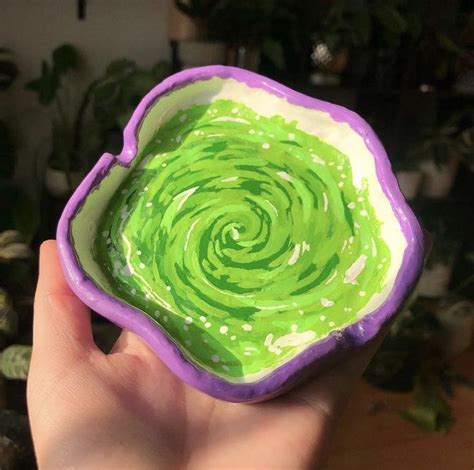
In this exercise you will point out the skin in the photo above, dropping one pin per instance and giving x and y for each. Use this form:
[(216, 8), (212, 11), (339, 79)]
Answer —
[(125, 409)]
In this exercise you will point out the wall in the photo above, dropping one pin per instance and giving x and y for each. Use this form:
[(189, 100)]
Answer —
[(33, 28)]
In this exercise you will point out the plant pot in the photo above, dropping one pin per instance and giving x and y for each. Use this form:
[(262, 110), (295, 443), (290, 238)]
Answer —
[(409, 182), (435, 279), (438, 179), (57, 183), (244, 56), (198, 53), (456, 319)]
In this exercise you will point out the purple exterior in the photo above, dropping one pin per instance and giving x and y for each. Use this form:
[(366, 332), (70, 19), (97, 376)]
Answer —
[(317, 356)]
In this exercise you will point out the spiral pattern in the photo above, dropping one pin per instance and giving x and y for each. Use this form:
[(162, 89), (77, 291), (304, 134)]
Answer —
[(243, 237)]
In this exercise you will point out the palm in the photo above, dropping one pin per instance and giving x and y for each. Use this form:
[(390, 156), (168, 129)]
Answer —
[(126, 405)]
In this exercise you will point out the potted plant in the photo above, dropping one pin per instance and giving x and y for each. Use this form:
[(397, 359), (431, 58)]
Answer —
[(80, 135), (189, 26), (245, 27), (334, 35), (437, 152), (409, 177), (441, 220), (64, 163)]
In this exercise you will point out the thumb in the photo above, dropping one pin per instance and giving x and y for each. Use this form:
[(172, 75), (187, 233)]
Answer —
[(61, 324)]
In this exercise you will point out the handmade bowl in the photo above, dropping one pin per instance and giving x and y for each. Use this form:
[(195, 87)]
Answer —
[(249, 234)]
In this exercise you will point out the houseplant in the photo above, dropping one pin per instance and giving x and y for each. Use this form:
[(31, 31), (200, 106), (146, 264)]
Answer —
[(245, 26), (64, 165), (80, 133), (441, 220), (189, 26), (437, 151), (409, 176)]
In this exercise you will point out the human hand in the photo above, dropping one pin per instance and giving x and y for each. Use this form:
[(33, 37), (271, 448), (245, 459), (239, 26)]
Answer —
[(126, 410)]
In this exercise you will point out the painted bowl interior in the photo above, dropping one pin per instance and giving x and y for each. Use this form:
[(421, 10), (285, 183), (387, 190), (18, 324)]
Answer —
[(245, 227)]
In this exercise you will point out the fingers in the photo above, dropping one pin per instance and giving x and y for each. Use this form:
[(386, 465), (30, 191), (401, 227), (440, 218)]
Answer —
[(61, 324), (328, 392), (130, 343)]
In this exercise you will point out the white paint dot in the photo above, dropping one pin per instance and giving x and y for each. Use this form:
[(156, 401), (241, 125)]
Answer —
[(225, 367), (327, 303), (196, 132), (215, 358), (266, 145), (343, 176), (183, 118), (351, 205), (223, 329), (247, 327), (247, 353), (205, 340), (202, 318), (362, 293), (187, 342), (331, 324), (294, 328), (104, 234), (145, 188), (139, 252), (168, 288), (339, 167), (148, 204), (165, 318), (364, 213), (301, 312), (257, 118), (379, 266), (142, 265), (207, 324), (291, 136), (133, 291), (163, 164), (233, 338), (340, 184), (157, 313), (322, 317), (185, 327), (235, 110), (360, 199), (251, 131), (188, 320)]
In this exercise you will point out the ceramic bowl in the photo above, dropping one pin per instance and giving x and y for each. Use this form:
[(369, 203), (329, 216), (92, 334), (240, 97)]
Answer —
[(251, 235)]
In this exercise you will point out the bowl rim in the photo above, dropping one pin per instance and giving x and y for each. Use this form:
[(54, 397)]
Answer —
[(168, 351)]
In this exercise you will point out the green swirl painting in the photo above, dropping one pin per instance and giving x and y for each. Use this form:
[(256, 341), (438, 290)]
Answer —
[(246, 232), (232, 227)]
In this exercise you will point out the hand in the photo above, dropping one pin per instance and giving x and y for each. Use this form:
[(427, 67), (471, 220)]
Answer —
[(127, 410)]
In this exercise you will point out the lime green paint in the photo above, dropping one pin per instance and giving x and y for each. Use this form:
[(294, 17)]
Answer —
[(243, 237)]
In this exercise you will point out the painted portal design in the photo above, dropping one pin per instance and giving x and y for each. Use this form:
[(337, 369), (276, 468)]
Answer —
[(246, 233)]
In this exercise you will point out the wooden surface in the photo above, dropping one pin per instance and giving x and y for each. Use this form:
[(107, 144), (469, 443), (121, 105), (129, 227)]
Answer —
[(368, 440)]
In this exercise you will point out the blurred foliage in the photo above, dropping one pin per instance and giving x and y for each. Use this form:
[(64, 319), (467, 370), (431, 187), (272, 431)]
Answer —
[(80, 135), (410, 360)]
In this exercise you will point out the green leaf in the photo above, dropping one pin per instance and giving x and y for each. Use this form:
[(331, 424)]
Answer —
[(423, 416), (390, 19), (65, 57), (105, 91), (273, 50), (120, 67), (46, 86), (447, 44)]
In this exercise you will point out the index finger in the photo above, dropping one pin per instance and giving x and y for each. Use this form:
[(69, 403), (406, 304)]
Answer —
[(61, 322)]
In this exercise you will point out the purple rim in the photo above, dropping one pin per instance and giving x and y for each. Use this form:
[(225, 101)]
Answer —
[(315, 357)]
